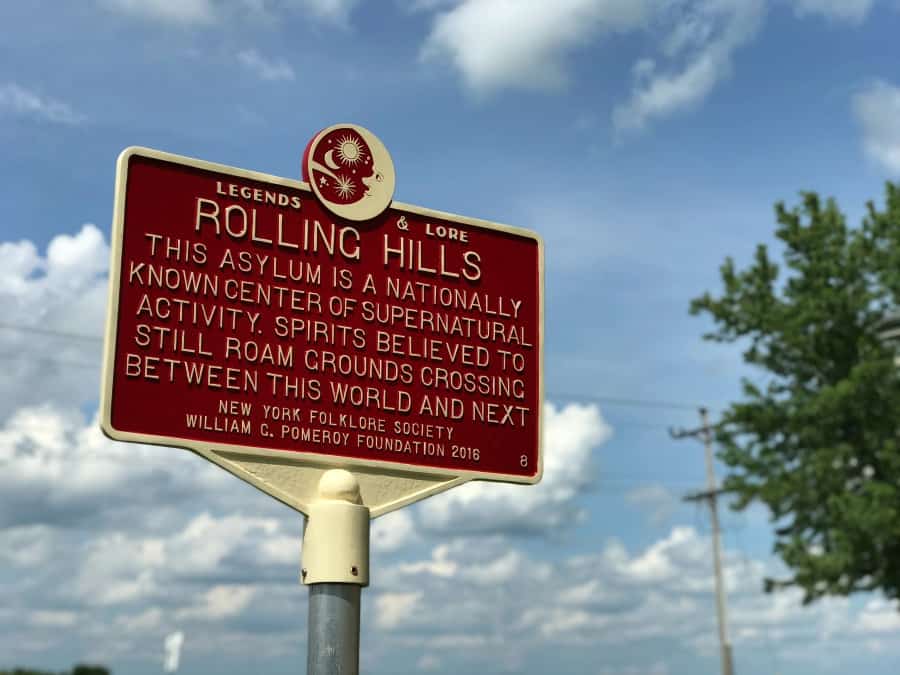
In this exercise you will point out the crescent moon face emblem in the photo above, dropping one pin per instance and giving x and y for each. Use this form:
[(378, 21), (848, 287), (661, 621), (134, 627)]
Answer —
[(350, 172)]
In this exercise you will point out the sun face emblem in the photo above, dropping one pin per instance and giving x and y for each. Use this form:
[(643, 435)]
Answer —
[(349, 150), (350, 171)]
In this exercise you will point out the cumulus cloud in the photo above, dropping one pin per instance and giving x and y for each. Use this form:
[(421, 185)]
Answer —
[(490, 594), (337, 11), (23, 102), (879, 616), (476, 37), (184, 12), (466, 603), (697, 41), (59, 469), (392, 608), (658, 668), (656, 500), (696, 55), (877, 110), (201, 12), (571, 435), (52, 313), (392, 531), (220, 602), (27, 546), (426, 5), (265, 69), (852, 11), (127, 586), (122, 568), (428, 662)]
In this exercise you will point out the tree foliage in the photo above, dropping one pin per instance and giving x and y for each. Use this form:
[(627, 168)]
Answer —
[(80, 669), (815, 437)]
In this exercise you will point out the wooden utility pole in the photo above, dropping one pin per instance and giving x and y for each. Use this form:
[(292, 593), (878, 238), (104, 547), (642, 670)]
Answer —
[(710, 495)]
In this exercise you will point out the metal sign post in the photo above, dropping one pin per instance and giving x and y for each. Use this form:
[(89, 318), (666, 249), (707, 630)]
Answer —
[(345, 353), (335, 567)]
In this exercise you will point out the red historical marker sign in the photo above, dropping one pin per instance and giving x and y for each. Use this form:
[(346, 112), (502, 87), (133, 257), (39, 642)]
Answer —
[(249, 315)]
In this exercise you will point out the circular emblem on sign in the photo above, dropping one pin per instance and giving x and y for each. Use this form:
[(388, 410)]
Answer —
[(350, 171)]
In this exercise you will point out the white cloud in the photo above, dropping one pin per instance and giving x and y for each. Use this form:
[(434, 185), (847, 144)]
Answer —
[(500, 570), (392, 531), (656, 500), (465, 599), (426, 5), (852, 11), (60, 469), (879, 616), (265, 69), (658, 668), (142, 622), (182, 12), (428, 662), (122, 568), (27, 546), (877, 109), (392, 609), (663, 561), (487, 593), (523, 44), (571, 435), (17, 100), (697, 47), (220, 602), (704, 38), (281, 550), (52, 313), (204, 12), (440, 564), (146, 537), (337, 11), (53, 618)]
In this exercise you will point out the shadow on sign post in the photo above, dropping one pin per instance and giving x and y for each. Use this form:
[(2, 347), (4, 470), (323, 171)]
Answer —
[(345, 353)]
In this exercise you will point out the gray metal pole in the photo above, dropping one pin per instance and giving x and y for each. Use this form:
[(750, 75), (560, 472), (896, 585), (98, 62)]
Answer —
[(333, 645), (335, 567)]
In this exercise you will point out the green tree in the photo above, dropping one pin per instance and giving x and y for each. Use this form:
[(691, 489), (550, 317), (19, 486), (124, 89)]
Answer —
[(77, 670), (82, 669), (815, 437)]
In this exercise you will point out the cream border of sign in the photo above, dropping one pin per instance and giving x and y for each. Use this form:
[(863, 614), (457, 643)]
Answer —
[(384, 486)]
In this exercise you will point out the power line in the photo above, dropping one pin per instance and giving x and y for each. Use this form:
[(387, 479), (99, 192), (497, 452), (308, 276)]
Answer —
[(53, 361), (599, 398), (618, 426), (51, 332), (617, 488), (635, 402)]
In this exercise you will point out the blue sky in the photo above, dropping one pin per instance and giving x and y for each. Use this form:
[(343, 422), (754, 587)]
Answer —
[(644, 139)]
